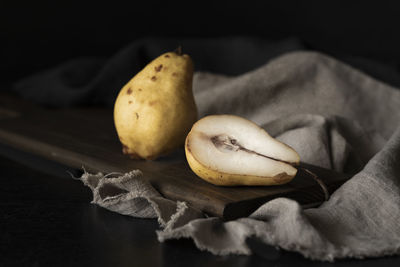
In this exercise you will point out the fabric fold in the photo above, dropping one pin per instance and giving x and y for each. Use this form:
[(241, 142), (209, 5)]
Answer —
[(130, 194), (360, 219)]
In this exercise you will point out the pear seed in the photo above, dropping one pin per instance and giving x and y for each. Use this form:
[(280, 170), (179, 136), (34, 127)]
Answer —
[(225, 143)]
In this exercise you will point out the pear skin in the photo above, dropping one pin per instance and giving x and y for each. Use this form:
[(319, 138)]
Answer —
[(155, 110)]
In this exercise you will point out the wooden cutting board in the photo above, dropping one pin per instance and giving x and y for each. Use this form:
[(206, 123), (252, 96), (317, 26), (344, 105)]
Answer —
[(86, 137)]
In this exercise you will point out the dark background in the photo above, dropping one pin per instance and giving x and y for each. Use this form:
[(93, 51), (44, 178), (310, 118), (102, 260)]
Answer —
[(41, 228), (40, 34)]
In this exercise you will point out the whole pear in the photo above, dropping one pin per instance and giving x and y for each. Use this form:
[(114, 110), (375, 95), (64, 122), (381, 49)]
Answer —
[(155, 110)]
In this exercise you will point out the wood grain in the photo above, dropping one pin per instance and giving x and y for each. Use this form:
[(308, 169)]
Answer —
[(85, 137)]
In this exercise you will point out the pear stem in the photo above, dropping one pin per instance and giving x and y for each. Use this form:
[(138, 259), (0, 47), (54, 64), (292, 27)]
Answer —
[(319, 181), (178, 50)]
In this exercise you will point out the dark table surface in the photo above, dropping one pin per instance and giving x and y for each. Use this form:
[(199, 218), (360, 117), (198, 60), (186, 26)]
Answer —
[(46, 219)]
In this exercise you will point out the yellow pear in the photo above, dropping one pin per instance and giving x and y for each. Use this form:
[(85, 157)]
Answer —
[(230, 150), (155, 110)]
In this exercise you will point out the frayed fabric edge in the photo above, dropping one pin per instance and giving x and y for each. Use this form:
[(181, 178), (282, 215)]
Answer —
[(184, 231)]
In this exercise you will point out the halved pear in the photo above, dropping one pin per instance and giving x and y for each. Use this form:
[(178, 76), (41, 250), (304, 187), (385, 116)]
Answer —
[(230, 150)]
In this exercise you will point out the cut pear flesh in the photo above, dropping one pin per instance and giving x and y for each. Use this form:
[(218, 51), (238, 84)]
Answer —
[(231, 150)]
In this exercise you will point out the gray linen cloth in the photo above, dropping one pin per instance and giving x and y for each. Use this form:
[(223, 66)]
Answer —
[(335, 117)]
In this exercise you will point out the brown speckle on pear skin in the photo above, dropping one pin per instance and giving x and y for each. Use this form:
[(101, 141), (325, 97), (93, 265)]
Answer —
[(125, 149), (154, 78), (158, 68), (140, 89), (281, 178), (188, 146), (129, 91), (174, 74), (166, 56), (129, 102), (132, 155), (152, 103), (137, 115)]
